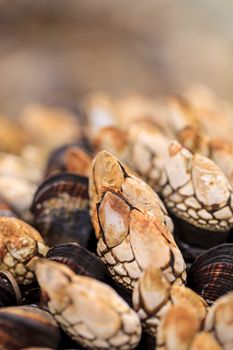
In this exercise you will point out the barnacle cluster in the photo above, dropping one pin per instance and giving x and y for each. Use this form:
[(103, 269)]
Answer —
[(115, 225)]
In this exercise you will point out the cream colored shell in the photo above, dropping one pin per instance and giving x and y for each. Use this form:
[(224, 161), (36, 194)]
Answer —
[(178, 328), (147, 152), (197, 190), (20, 247), (219, 320), (90, 311), (153, 296), (131, 224)]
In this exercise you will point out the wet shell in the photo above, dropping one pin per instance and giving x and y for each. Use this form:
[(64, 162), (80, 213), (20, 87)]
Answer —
[(61, 209), (147, 153), (69, 158), (20, 247), (9, 290), (153, 296), (25, 326), (211, 274), (79, 259), (178, 328), (88, 310), (219, 321), (129, 221)]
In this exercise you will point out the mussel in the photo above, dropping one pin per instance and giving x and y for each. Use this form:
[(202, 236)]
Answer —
[(88, 310), (200, 198), (61, 209), (153, 296), (10, 293), (211, 274), (20, 247), (25, 326), (79, 259), (37, 348), (131, 224)]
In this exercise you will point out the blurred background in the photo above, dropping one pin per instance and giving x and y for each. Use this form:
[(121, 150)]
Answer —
[(60, 50)]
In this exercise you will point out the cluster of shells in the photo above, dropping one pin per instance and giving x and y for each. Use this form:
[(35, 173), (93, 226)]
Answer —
[(116, 224)]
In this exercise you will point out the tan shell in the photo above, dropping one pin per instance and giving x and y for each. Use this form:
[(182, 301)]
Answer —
[(177, 328), (197, 190), (195, 140), (12, 137), (219, 320), (20, 247), (90, 311), (18, 193), (129, 221), (113, 140), (181, 114), (147, 152), (18, 181), (14, 166), (78, 161), (153, 296), (134, 107), (205, 341), (99, 109), (213, 113), (49, 126), (221, 153)]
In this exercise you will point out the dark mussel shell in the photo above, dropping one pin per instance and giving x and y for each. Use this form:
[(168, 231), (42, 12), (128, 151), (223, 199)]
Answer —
[(193, 240), (57, 162), (83, 262), (61, 209), (36, 348), (26, 326), (67, 343), (9, 290), (79, 259), (211, 274), (31, 294)]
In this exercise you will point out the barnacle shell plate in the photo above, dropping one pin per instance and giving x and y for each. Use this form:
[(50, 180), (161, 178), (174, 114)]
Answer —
[(88, 310)]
